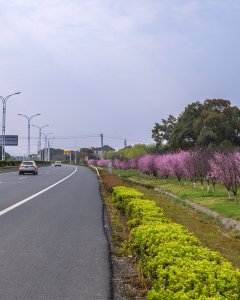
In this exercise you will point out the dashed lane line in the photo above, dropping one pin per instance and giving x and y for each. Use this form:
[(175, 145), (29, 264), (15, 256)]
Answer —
[(6, 210)]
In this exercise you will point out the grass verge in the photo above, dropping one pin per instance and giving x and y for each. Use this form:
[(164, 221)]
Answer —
[(216, 200), (211, 235)]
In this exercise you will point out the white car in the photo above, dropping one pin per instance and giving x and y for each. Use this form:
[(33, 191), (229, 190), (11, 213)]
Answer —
[(57, 164), (28, 167)]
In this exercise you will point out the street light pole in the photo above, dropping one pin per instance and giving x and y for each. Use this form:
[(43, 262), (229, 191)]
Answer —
[(29, 138), (46, 152), (4, 101), (40, 138)]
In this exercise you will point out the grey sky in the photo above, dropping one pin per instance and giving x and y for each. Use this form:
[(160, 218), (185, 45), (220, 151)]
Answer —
[(113, 66)]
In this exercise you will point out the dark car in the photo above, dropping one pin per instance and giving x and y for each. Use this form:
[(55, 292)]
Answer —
[(28, 167)]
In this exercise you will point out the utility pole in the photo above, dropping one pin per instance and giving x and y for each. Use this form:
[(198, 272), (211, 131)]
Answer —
[(40, 139), (45, 149), (125, 143), (75, 153), (101, 135), (48, 150)]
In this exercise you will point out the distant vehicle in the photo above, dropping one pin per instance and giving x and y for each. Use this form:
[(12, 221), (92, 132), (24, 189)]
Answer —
[(28, 167), (57, 164)]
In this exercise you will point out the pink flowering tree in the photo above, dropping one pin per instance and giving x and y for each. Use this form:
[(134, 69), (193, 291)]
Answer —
[(190, 168), (146, 165), (121, 164), (163, 165), (133, 163), (226, 168), (102, 163), (92, 162), (124, 164), (116, 163), (201, 164), (176, 165), (211, 177)]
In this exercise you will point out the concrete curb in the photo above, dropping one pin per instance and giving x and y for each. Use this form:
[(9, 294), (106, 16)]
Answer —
[(95, 169)]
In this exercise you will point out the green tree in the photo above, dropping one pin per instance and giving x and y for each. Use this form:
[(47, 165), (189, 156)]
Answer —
[(162, 133), (212, 123), (216, 122), (130, 151), (187, 127)]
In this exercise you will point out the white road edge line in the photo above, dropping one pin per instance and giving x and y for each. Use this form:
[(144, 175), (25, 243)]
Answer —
[(6, 210)]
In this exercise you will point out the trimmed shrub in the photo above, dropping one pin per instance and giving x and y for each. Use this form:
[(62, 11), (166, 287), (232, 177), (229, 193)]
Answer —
[(122, 195), (141, 211), (110, 181), (172, 257)]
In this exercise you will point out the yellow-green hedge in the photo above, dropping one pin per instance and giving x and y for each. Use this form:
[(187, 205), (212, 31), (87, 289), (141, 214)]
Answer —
[(180, 268)]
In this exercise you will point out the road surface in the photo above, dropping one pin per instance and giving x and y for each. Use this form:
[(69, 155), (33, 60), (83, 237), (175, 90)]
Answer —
[(52, 241)]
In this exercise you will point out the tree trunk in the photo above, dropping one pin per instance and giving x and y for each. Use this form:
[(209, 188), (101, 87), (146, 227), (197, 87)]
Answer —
[(235, 197), (214, 186)]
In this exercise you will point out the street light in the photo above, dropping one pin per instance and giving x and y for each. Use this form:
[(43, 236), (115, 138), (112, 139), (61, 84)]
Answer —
[(4, 101), (29, 138), (40, 137), (47, 150)]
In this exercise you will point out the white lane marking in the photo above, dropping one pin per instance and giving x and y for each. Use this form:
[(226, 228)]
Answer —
[(20, 178), (8, 173), (6, 210)]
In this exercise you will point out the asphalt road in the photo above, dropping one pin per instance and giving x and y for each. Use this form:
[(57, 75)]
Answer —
[(52, 241)]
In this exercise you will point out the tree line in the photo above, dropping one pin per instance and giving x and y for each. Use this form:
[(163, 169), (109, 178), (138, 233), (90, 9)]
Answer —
[(211, 124), (200, 165)]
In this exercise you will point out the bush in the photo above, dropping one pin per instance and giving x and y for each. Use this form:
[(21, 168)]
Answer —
[(172, 257), (9, 163), (141, 211), (110, 181), (122, 195)]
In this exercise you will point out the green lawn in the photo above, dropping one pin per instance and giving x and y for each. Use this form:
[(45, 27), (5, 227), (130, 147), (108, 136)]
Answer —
[(217, 201)]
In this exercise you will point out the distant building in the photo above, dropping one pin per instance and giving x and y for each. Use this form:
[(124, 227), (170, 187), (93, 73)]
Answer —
[(99, 151)]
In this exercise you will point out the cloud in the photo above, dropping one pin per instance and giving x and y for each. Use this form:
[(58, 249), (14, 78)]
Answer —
[(133, 61)]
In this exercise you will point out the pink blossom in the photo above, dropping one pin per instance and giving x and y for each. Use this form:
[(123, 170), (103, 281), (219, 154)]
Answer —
[(146, 164), (177, 163), (226, 168), (102, 163), (163, 165), (92, 162)]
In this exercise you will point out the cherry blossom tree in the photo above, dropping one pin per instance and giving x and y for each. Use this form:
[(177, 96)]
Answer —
[(176, 165), (92, 162), (163, 165), (121, 164), (133, 163), (201, 164), (146, 165), (102, 163), (226, 168)]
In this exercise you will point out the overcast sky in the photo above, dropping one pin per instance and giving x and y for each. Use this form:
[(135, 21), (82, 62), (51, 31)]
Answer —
[(113, 66)]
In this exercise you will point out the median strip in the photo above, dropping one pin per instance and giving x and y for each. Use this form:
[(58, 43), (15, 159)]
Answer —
[(6, 210)]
